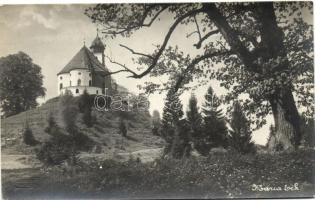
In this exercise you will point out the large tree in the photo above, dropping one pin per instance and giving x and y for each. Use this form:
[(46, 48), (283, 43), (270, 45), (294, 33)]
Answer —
[(240, 133), (215, 130), (172, 113), (264, 50), (21, 83)]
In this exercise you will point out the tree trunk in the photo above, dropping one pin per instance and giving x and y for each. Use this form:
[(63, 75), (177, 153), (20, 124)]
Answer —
[(286, 117)]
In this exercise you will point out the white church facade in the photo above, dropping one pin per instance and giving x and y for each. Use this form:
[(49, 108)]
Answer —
[(86, 71)]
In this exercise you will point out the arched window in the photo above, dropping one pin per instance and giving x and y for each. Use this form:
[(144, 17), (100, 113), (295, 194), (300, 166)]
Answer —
[(77, 91), (90, 82), (60, 86), (79, 73), (79, 82), (96, 91), (60, 77)]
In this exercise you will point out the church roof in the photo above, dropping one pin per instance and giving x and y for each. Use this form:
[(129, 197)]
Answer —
[(84, 59), (97, 44)]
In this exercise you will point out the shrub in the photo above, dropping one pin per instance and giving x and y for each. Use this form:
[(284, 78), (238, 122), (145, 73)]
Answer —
[(215, 132), (241, 134), (28, 136), (57, 150), (218, 176), (122, 128)]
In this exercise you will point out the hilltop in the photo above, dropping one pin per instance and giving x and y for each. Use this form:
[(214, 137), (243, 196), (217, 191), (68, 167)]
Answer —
[(106, 140)]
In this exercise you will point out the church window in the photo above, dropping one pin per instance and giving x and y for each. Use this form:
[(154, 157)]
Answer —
[(90, 82), (60, 86), (96, 91), (89, 74), (79, 82), (77, 91), (60, 77), (79, 73)]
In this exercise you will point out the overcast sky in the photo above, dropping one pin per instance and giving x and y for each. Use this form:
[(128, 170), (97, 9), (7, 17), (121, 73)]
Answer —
[(52, 34)]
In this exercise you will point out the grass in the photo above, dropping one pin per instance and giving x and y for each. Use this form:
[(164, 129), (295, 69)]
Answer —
[(217, 176)]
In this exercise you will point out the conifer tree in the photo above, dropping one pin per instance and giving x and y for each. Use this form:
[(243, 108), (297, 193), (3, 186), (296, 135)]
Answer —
[(194, 118), (28, 136), (173, 109), (241, 134), (172, 113), (215, 130), (156, 122), (85, 107)]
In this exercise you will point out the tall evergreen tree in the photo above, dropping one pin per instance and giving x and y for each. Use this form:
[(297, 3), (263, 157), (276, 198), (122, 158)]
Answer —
[(156, 122), (194, 118), (241, 134), (173, 109), (215, 130), (172, 113)]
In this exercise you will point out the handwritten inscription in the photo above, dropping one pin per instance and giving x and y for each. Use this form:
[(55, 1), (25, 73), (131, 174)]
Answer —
[(267, 188)]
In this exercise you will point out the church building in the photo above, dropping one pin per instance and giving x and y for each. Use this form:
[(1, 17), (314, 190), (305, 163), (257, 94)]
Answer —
[(86, 71)]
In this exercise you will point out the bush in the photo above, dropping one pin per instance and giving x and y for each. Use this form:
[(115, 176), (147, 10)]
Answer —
[(57, 150), (28, 137), (220, 175), (122, 128)]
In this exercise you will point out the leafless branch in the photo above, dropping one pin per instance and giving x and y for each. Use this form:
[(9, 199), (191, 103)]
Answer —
[(125, 69), (136, 53), (138, 25), (156, 57), (197, 26), (198, 45)]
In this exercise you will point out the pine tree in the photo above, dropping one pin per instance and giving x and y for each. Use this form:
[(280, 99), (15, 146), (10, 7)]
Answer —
[(181, 146), (172, 113), (215, 130), (173, 109), (156, 122), (28, 136), (85, 107), (194, 118), (241, 134), (122, 127)]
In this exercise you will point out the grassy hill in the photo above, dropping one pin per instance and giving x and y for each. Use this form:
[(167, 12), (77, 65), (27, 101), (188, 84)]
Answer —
[(104, 133)]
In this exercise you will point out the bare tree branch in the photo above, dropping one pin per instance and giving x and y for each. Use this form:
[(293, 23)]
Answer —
[(126, 69), (139, 25), (198, 45), (197, 26), (156, 57), (136, 53), (166, 39)]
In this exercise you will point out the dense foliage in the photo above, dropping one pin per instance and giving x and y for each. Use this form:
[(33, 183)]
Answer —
[(240, 135), (214, 127), (172, 113), (263, 50), (217, 176), (194, 119), (28, 136), (21, 83)]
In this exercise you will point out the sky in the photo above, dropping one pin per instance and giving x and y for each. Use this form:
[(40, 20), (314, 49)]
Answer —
[(52, 34)]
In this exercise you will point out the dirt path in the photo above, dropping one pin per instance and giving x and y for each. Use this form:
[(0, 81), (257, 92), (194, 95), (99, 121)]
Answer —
[(16, 161)]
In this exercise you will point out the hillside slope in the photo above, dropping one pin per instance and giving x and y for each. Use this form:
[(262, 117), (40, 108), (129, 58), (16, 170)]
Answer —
[(104, 133)]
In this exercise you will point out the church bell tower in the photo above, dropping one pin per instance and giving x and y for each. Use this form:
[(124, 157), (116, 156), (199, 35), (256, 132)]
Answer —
[(97, 47)]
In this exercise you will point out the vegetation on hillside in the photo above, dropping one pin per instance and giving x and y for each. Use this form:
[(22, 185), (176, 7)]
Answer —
[(21, 83)]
